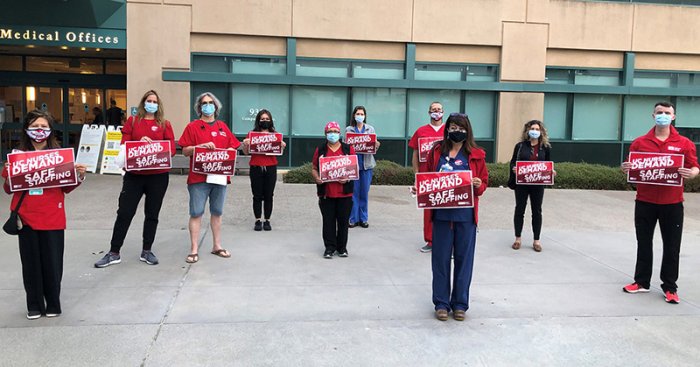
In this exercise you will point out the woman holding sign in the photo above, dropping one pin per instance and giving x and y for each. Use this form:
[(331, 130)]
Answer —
[(148, 125), (454, 230), (207, 132), (43, 216), (366, 164), (263, 168), (534, 146)]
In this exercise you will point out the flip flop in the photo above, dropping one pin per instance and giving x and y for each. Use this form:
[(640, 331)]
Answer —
[(222, 252), (537, 247), (516, 245), (192, 258)]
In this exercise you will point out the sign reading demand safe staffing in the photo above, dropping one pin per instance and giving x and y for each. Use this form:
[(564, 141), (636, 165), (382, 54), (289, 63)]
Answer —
[(62, 36)]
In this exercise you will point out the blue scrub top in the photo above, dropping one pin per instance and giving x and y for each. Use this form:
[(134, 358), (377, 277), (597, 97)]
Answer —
[(459, 163), (361, 157)]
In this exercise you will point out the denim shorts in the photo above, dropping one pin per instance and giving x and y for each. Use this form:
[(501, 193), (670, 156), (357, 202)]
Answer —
[(199, 193)]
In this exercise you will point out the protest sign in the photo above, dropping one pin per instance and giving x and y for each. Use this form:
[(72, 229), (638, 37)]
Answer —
[(265, 143), (534, 172), (363, 143), (142, 155), (338, 168), (424, 146), (655, 169), (41, 169), (444, 190), (214, 161)]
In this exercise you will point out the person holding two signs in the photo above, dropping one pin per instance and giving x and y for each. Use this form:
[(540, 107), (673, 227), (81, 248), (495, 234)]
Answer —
[(148, 125), (366, 163), (660, 202), (43, 216), (454, 230)]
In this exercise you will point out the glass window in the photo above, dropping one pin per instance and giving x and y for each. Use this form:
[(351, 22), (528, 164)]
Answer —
[(313, 107), (638, 111), (249, 99), (557, 76), (11, 104), (116, 67), (64, 65), (260, 66), (84, 106), (10, 63), (386, 109), (439, 72), (481, 73), (597, 77), (688, 112), (116, 114), (419, 102), (652, 79), (687, 80), (377, 70), (596, 117), (322, 68), (481, 107), (555, 115), (212, 64)]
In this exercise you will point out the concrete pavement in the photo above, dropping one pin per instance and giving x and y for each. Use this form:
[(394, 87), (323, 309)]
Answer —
[(277, 302)]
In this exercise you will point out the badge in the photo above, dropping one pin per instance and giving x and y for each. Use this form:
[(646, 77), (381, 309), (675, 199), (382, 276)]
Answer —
[(214, 134), (35, 192)]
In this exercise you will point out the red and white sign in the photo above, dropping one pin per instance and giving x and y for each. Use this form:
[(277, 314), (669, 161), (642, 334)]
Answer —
[(424, 146), (534, 172), (338, 168), (363, 143), (444, 190), (265, 143), (141, 155), (655, 169), (214, 161), (42, 169)]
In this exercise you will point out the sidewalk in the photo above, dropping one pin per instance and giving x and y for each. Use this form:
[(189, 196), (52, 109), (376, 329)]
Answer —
[(277, 302)]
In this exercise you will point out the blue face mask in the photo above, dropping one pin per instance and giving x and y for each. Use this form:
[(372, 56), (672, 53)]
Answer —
[(534, 134), (333, 137), (208, 109), (663, 119), (359, 118), (150, 107)]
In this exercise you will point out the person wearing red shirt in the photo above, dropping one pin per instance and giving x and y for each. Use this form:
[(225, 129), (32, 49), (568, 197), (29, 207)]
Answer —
[(263, 172), (43, 216), (661, 203), (210, 133), (334, 198), (434, 129), (148, 125)]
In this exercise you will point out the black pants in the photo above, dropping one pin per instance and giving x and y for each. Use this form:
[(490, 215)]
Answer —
[(41, 253), (336, 214), (536, 194), (262, 182), (133, 188), (670, 218)]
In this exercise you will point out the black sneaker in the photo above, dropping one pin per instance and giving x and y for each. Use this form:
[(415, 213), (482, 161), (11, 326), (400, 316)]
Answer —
[(33, 315), (352, 225), (107, 260), (342, 254), (267, 226), (53, 314), (327, 255), (364, 224), (148, 257), (258, 226)]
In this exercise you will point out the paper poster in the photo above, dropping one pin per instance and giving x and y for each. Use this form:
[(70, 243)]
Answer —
[(141, 155), (655, 169), (363, 143), (444, 190), (41, 169), (265, 143), (214, 161), (534, 172), (424, 146), (338, 168)]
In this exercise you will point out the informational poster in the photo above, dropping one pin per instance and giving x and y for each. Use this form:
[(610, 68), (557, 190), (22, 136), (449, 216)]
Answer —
[(214, 161), (363, 143), (534, 172), (92, 139), (265, 143), (655, 168), (41, 169), (424, 146), (339, 168), (111, 151), (141, 155), (444, 190)]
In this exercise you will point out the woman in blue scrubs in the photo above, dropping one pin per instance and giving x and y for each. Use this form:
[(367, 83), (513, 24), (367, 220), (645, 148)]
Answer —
[(366, 163)]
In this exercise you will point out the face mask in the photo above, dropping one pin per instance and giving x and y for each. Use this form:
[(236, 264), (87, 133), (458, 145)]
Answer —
[(150, 107), (265, 124), (534, 134), (38, 134), (333, 137), (359, 119), (457, 136), (662, 119), (208, 109), (436, 116)]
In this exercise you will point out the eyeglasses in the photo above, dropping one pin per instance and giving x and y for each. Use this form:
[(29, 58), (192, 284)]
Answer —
[(455, 114), (207, 102)]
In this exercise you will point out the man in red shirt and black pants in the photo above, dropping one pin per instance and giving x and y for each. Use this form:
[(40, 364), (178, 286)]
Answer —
[(661, 203)]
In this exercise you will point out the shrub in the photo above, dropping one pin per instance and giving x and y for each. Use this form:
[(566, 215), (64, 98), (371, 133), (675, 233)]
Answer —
[(301, 174)]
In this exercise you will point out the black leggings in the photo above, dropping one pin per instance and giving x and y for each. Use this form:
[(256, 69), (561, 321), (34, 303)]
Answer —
[(336, 214), (262, 182), (41, 253), (536, 194)]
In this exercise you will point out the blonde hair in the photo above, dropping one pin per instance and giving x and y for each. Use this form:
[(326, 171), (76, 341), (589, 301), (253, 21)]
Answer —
[(160, 119), (543, 139)]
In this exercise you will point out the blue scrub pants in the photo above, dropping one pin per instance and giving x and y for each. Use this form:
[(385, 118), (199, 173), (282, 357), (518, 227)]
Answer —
[(360, 197), (459, 237)]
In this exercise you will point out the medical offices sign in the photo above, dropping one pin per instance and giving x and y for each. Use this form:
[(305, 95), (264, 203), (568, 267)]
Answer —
[(62, 36)]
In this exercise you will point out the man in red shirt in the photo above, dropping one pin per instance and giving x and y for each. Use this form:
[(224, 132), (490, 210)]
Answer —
[(661, 203), (421, 142)]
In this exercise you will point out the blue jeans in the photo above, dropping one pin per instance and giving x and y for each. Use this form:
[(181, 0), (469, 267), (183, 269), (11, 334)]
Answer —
[(200, 192), (360, 197)]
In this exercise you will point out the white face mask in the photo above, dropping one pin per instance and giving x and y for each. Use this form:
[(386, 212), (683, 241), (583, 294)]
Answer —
[(534, 134), (359, 119)]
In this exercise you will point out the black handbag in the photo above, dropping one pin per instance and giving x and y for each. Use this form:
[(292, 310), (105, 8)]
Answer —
[(14, 224)]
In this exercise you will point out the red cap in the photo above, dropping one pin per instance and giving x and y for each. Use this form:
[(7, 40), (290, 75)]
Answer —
[(331, 125)]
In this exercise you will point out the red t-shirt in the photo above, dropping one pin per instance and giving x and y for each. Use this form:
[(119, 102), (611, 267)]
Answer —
[(675, 144), (199, 132), (261, 159), (333, 189), (135, 129), (425, 131)]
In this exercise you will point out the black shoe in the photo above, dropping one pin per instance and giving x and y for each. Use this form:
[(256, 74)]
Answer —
[(328, 255), (33, 315), (342, 253), (364, 224), (258, 225), (352, 225), (267, 226)]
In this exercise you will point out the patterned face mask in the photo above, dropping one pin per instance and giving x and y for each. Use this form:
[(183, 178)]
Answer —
[(38, 134)]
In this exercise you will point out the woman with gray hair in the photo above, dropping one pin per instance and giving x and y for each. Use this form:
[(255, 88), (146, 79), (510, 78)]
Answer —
[(210, 133)]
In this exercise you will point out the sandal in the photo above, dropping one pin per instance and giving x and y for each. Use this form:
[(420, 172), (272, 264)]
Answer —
[(537, 247), (192, 258), (516, 245), (222, 252)]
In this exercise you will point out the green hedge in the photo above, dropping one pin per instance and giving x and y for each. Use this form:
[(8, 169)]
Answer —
[(569, 176)]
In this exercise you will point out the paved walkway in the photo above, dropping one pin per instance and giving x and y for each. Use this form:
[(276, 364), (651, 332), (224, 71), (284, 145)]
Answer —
[(277, 302)]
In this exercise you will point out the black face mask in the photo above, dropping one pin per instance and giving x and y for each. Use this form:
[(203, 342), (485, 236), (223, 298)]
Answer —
[(266, 125), (457, 136)]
